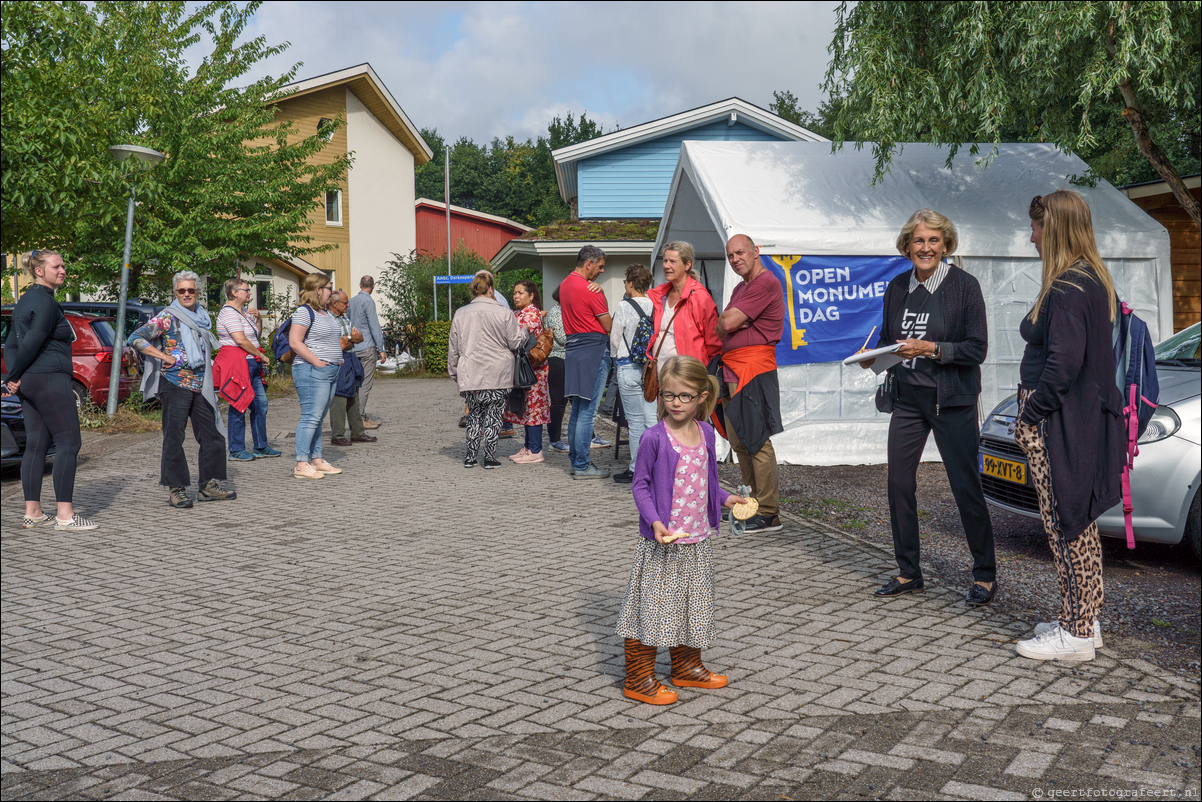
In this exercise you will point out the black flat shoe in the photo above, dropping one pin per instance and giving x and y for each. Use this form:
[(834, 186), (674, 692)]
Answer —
[(895, 588), (625, 477), (979, 596)]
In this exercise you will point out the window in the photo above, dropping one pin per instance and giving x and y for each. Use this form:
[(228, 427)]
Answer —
[(334, 208), (325, 129), (262, 294)]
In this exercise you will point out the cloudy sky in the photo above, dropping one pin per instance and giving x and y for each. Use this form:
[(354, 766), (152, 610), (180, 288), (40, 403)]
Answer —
[(496, 68)]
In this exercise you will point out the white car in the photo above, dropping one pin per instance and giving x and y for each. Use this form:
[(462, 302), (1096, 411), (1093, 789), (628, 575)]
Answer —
[(1167, 472)]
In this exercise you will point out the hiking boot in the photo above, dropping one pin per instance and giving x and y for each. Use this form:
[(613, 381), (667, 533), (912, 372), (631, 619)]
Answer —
[(179, 498), (211, 491)]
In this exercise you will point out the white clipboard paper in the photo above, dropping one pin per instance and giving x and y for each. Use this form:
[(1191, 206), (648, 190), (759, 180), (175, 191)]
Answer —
[(885, 358)]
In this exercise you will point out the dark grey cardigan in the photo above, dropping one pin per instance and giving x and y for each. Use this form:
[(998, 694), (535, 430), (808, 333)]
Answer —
[(1077, 405), (958, 373)]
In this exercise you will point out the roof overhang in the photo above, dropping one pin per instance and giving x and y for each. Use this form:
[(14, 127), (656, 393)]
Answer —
[(293, 264), (470, 213), (367, 86), (733, 110), (518, 254), (1147, 188)]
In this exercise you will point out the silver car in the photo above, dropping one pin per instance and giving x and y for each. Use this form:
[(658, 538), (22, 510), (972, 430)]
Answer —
[(1167, 472)]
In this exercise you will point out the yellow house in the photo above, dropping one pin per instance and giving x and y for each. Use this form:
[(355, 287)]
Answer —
[(370, 216)]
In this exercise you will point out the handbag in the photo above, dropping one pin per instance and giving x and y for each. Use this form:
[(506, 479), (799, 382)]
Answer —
[(523, 374), (885, 393), (541, 350), (651, 366)]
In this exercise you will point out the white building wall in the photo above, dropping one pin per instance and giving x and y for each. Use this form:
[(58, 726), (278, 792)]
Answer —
[(380, 186)]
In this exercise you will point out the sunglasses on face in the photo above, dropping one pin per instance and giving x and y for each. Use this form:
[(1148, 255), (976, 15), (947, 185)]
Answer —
[(185, 292)]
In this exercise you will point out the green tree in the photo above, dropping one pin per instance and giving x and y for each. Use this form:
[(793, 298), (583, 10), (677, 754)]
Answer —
[(1074, 74), (79, 78)]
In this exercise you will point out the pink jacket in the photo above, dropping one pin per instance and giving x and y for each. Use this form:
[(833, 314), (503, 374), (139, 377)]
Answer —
[(694, 324)]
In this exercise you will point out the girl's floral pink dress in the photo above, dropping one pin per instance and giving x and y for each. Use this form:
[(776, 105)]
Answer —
[(538, 398)]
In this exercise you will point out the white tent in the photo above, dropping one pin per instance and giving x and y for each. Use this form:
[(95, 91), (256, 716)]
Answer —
[(798, 198)]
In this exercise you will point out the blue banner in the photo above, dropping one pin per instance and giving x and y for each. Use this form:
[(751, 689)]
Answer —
[(453, 279), (831, 303)]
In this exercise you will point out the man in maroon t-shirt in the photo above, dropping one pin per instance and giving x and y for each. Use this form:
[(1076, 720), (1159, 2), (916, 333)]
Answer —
[(750, 328)]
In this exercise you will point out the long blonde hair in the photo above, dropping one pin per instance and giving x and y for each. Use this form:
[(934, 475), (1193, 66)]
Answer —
[(1068, 245), (689, 371)]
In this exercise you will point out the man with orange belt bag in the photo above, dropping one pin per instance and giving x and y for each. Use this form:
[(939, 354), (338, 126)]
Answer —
[(750, 328)]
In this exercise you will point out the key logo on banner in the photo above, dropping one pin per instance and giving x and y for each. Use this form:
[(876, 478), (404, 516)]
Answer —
[(831, 303)]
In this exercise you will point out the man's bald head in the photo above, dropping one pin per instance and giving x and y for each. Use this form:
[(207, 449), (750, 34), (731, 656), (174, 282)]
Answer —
[(743, 256)]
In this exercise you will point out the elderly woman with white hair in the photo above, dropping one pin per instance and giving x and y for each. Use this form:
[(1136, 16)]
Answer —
[(936, 311), (179, 343)]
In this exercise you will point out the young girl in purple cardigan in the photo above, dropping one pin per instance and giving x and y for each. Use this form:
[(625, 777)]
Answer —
[(670, 595)]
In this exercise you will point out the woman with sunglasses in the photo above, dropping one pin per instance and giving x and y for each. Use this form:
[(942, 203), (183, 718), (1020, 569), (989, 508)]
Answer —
[(38, 357), (181, 343), (1069, 417)]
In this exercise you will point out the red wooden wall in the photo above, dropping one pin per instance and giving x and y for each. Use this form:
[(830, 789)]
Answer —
[(483, 236)]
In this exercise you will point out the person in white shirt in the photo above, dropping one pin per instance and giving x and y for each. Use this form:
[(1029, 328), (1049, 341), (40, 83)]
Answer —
[(640, 414)]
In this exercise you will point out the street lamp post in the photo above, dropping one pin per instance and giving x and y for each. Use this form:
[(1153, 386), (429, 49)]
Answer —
[(147, 158)]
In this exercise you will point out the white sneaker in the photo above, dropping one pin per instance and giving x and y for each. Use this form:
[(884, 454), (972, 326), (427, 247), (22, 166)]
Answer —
[(1056, 644), (1097, 631)]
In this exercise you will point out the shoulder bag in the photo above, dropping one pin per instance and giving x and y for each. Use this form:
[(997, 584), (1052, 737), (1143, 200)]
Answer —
[(651, 366), (541, 350)]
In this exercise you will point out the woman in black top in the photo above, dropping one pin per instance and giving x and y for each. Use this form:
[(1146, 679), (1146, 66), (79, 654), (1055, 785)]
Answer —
[(38, 358), (937, 312), (1068, 389)]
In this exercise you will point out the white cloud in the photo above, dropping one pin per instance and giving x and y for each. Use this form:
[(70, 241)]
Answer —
[(491, 69)]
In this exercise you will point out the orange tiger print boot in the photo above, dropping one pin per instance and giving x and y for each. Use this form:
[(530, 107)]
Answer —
[(641, 684), (688, 672)]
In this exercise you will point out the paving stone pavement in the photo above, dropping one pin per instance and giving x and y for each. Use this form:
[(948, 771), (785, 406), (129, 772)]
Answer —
[(414, 630)]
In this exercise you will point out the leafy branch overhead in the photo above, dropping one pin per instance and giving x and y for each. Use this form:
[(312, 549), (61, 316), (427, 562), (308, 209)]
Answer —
[(79, 78), (985, 72)]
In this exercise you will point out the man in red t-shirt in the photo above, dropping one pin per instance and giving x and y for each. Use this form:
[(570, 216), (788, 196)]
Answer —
[(586, 322), (750, 328)]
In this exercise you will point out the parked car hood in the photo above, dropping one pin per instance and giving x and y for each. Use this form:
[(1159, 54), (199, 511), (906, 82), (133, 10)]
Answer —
[(1177, 384)]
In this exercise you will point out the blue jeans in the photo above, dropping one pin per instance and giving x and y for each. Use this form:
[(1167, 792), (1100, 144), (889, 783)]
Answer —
[(315, 387), (236, 421), (534, 438), (640, 414), (584, 412)]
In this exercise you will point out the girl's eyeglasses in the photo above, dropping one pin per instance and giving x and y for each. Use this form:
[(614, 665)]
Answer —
[(684, 398)]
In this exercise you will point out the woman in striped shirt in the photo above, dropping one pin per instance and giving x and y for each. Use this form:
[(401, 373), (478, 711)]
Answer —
[(315, 339)]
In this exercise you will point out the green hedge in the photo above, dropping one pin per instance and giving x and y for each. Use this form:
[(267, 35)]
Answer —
[(436, 336)]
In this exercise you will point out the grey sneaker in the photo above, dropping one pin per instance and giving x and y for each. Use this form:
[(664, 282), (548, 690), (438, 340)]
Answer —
[(179, 498), (591, 472), (211, 491), (1048, 626), (77, 524)]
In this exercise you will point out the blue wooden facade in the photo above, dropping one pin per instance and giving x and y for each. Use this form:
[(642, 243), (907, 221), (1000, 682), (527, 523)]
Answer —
[(634, 181)]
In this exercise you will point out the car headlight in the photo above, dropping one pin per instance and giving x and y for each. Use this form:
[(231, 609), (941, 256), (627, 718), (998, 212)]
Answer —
[(1164, 423)]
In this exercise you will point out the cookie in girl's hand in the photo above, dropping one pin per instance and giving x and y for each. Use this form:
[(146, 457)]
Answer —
[(672, 537), (745, 510)]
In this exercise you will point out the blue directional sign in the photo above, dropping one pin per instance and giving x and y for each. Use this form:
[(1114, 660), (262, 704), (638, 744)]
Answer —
[(453, 279)]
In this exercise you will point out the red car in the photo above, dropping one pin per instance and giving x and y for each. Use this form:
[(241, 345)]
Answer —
[(91, 358)]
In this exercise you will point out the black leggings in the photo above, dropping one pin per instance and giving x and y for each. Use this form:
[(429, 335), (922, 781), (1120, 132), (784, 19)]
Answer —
[(48, 404)]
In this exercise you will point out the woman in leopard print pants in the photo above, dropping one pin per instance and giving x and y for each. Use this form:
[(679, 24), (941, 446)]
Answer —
[(1069, 422)]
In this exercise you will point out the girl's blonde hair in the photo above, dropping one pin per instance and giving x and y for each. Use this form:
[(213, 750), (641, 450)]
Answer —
[(1069, 245), (314, 283), (32, 260), (689, 371)]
